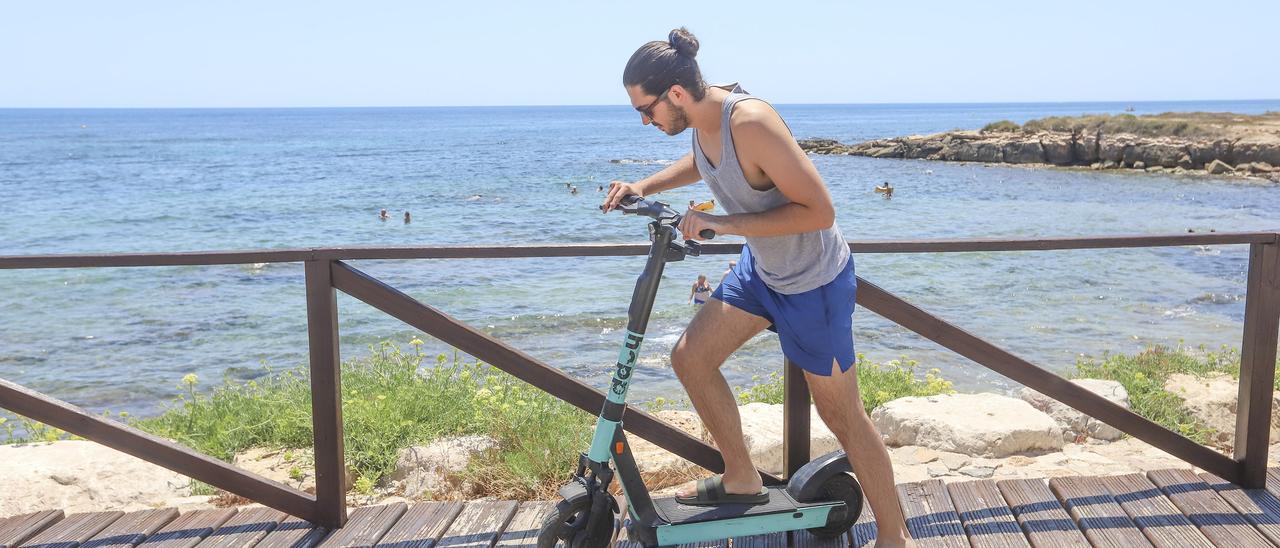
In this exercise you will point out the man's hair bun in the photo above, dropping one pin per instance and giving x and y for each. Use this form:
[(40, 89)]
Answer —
[(683, 42)]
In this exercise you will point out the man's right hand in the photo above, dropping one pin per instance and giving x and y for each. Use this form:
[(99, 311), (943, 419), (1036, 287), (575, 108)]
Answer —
[(617, 191)]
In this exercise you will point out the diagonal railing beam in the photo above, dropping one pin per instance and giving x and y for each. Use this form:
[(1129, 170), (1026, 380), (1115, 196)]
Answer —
[(1001, 361), (156, 450), (428, 319)]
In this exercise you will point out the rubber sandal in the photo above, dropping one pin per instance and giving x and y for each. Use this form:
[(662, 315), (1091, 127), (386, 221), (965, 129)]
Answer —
[(711, 493)]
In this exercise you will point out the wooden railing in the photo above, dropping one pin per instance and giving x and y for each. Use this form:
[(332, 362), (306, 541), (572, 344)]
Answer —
[(327, 272)]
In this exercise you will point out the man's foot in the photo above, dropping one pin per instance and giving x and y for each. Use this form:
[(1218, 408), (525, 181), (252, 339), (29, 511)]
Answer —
[(720, 490)]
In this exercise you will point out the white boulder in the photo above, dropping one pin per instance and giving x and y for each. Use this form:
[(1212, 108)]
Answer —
[(986, 425)]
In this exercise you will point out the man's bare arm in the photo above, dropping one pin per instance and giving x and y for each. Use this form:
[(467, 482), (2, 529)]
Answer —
[(762, 137)]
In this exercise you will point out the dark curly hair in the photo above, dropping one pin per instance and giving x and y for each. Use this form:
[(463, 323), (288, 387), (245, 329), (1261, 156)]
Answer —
[(659, 65)]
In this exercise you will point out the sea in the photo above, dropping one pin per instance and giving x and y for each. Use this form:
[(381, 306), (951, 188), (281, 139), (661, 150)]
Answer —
[(165, 180)]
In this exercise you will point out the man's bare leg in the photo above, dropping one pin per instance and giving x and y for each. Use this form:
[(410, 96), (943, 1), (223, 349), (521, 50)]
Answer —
[(715, 332), (840, 407)]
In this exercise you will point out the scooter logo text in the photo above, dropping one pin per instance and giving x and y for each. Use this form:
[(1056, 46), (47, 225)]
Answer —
[(626, 362)]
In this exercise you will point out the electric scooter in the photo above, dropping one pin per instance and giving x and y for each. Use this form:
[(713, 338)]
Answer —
[(822, 497)]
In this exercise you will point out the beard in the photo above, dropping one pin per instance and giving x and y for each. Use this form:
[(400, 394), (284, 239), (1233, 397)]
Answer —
[(678, 123)]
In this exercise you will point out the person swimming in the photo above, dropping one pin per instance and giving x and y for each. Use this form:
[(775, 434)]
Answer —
[(887, 190), (701, 290)]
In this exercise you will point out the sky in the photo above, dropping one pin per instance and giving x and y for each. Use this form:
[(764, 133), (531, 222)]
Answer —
[(318, 53)]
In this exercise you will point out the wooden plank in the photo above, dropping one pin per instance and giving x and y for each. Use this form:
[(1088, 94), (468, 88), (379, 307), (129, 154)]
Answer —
[(246, 528), (1273, 482), (1096, 512), (189, 529), (73, 530), (1043, 519), (423, 525), (1261, 508), (479, 524), (985, 515), (294, 532), (1215, 518), (863, 532), (931, 518), (17, 529), (1154, 514), (366, 526), (524, 526), (805, 539), (132, 528)]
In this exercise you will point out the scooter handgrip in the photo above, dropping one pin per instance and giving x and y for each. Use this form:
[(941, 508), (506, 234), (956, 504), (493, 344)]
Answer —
[(707, 233)]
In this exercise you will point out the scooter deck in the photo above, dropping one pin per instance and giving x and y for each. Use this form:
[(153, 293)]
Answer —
[(779, 502)]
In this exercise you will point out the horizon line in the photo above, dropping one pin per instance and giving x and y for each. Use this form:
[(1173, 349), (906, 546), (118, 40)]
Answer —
[(620, 105)]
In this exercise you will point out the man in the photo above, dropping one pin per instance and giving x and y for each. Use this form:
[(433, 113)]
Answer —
[(795, 275)]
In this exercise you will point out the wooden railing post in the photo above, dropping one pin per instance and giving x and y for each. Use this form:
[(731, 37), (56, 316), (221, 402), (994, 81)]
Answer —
[(326, 394), (795, 418), (1257, 364)]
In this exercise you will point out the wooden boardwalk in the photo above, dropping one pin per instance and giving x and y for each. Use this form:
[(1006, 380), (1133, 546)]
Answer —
[(1164, 508)]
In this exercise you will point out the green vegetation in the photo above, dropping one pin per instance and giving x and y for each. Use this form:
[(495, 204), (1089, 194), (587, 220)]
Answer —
[(1180, 124), (1001, 126), (1143, 376)]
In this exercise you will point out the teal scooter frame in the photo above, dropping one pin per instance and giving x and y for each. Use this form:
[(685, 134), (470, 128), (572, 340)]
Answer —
[(822, 497)]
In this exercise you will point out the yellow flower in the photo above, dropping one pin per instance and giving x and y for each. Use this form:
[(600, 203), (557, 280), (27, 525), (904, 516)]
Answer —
[(416, 342), (190, 379)]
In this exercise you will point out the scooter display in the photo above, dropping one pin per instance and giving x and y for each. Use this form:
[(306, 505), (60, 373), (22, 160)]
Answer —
[(822, 497)]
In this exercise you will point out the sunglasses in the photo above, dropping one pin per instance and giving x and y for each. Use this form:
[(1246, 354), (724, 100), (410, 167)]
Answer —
[(647, 110)]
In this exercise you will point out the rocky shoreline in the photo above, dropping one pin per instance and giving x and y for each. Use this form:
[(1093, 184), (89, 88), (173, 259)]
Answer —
[(1254, 154)]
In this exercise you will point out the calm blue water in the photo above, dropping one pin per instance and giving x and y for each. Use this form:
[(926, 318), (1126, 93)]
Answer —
[(105, 181)]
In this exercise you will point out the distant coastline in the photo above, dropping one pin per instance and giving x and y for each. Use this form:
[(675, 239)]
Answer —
[(1207, 143)]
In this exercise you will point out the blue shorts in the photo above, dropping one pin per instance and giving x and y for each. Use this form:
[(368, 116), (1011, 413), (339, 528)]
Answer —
[(815, 327)]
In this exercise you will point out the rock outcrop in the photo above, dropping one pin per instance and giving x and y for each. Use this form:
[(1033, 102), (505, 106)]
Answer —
[(986, 425), (1213, 400), (1252, 155)]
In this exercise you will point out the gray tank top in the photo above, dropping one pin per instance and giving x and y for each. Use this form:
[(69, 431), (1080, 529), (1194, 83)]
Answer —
[(788, 264)]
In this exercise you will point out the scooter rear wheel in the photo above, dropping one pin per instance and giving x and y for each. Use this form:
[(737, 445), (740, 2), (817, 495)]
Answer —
[(841, 487)]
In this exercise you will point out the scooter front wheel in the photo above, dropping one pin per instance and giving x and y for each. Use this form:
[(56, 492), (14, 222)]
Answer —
[(841, 487), (566, 526)]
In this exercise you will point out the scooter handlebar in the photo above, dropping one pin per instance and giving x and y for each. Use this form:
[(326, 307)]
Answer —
[(635, 205)]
